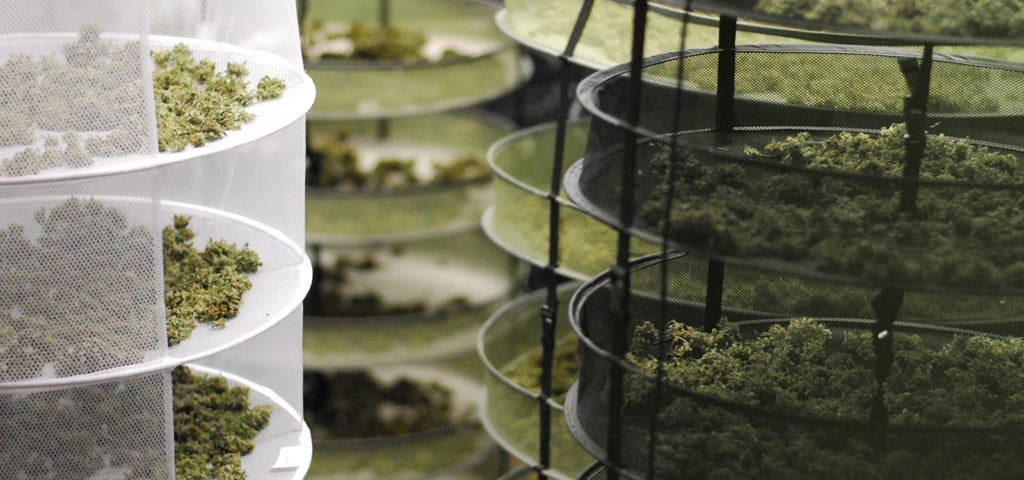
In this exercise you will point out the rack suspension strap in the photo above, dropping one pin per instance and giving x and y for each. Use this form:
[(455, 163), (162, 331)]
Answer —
[(666, 213), (620, 275), (725, 121), (549, 312)]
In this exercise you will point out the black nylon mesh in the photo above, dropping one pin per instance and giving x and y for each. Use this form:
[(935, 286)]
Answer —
[(701, 436), (764, 209)]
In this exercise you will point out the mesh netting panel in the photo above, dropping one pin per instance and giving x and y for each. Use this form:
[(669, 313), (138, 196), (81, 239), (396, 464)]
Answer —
[(595, 472), (74, 85), (826, 198), (519, 221), (751, 293), (791, 399), (107, 430), (813, 85), (938, 21), (266, 25), (82, 283), (508, 347), (261, 180)]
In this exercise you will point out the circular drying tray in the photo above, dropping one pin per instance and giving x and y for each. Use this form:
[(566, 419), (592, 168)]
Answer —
[(810, 85), (866, 257), (545, 26), (519, 219), (284, 449), (933, 24), (278, 287), (367, 217), (140, 407), (762, 117), (510, 411), (464, 265), (447, 452), (365, 89), (587, 409), (270, 115)]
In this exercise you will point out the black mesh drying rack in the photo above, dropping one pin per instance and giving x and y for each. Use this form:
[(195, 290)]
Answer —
[(676, 138)]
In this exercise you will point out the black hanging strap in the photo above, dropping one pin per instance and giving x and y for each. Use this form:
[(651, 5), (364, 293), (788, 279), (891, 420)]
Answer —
[(666, 213), (915, 110), (620, 274), (549, 312)]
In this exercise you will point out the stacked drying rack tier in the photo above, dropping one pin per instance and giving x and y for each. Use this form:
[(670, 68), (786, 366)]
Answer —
[(799, 224), (109, 140), (808, 232), (397, 181)]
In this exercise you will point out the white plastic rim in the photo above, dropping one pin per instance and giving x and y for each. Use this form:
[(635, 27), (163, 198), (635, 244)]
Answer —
[(278, 287), (270, 115), (284, 449)]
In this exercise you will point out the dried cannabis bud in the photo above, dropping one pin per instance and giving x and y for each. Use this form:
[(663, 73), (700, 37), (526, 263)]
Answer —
[(337, 295), (986, 18), (357, 405), (213, 426), (74, 433), (387, 43), (194, 103), (269, 88), (852, 225), (525, 371), (803, 369), (95, 96), (204, 286), (338, 163), (367, 42), (80, 296)]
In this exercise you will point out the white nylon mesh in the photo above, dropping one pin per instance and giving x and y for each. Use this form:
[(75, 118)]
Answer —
[(81, 277), (80, 282), (105, 431), (73, 84), (270, 26)]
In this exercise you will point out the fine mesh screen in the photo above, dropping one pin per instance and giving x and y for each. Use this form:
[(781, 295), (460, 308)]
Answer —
[(88, 189), (74, 82), (842, 21), (82, 284), (507, 345), (107, 430), (267, 26), (809, 179), (751, 421)]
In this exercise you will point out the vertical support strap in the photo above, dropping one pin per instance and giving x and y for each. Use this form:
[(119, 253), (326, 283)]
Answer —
[(725, 121), (383, 13), (549, 312), (915, 110), (889, 301), (666, 214), (726, 93), (887, 308), (620, 273), (577, 28)]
